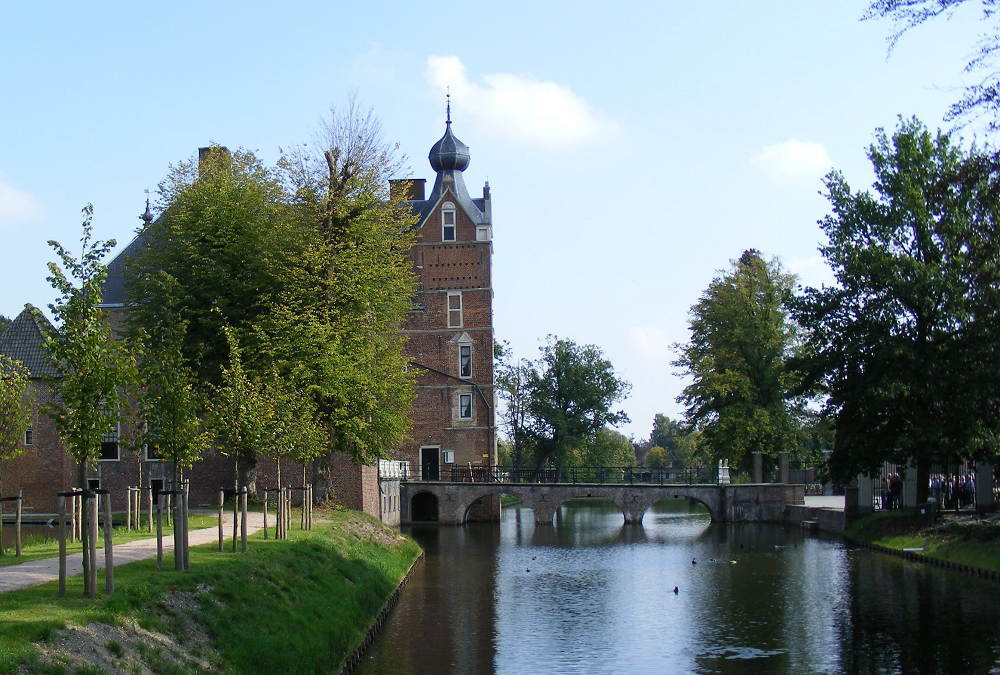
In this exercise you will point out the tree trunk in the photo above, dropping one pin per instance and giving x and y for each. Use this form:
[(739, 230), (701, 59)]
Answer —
[(1, 518), (246, 474), (322, 477)]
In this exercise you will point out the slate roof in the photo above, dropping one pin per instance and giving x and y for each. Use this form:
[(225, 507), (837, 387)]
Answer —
[(23, 341), (113, 289), (449, 157)]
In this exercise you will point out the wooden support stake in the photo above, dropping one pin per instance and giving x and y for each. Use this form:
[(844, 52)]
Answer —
[(72, 519), (62, 546), (17, 523), (222, 502), (159, 531), (265, 513), (178, 546), (128, 512), (150, 488), (243, 524), (93, 513), (109, 555), (187, 547)]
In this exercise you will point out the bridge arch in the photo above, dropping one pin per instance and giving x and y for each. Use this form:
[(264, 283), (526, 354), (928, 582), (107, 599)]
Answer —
[(424, 507), (654, 500)]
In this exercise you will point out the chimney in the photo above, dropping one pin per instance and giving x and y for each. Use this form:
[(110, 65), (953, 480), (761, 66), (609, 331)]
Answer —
[(205, 153), (410, 189)]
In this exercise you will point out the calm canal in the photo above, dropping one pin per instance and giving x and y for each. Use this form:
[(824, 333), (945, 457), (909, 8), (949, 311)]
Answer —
[(593, 596)]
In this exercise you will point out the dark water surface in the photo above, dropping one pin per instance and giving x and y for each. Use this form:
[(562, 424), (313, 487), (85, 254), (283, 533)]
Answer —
[(599, 599)]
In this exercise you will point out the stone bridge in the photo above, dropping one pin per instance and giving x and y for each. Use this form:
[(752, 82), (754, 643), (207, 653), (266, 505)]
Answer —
[(458, 503)]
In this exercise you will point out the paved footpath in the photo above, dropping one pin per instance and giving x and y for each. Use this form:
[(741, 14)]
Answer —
[(41, 571)]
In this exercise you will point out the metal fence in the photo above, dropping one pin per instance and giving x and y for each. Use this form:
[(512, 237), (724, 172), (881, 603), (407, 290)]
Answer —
[(952, 486), (601, 475)]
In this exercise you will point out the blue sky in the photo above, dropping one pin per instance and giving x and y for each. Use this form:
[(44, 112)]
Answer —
[(632, 149)]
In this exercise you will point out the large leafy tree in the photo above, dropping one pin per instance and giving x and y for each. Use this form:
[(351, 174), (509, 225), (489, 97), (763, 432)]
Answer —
[(227, 248), (981, 98), (512, 378), (905, 342), (17, 408), (742, 394), (348, 336), (573, 389), (93, 369)]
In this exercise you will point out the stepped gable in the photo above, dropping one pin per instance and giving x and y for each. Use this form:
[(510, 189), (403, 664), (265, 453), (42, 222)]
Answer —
[(23, 340)]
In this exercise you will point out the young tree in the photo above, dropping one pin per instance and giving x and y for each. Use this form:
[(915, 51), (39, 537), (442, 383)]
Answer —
[(92, 368), (741, 397), (573, 389), (905, 343), (17, 408), (240, 423), (512, 378), (658, 458)]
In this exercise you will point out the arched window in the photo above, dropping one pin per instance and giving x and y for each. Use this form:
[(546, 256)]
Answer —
[(448, 222)]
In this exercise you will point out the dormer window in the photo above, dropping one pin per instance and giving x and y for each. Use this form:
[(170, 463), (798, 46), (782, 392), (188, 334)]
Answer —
[(448, 222)]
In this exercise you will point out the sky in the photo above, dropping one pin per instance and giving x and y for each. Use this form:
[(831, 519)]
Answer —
[(633, 150)]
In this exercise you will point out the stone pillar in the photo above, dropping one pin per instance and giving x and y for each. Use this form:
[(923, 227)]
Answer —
[(827, 487), (851, 505), (758, 467), (985, 500), (866, 495), (783, 463), (910, 488)]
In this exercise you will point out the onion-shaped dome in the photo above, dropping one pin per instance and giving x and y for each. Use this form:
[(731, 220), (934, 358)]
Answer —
[(449, 153)]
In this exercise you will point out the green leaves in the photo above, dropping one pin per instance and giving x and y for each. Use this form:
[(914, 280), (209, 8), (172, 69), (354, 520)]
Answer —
[(92, 367), (742, 395), (905, 343)]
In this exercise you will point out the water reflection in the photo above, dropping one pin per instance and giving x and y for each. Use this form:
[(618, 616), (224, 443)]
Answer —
[(592, 595)]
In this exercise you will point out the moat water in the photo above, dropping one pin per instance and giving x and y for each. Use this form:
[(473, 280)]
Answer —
[(592, 595)]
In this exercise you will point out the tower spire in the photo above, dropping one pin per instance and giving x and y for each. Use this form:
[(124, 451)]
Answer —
[(147, 217), (448, 96)]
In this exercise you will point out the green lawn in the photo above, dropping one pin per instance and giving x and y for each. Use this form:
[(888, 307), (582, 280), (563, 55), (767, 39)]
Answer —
[(975, 545), (35, 550), (294, 606)]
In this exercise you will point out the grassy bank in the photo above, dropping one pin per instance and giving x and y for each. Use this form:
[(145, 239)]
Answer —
[(964, 543), (295, 606), (33, 549)]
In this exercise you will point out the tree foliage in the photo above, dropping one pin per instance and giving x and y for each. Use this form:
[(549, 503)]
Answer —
[(982, 98), (905, 343), (92, 367), (17, 408), (606, 447), (742, 395), (557, 404)]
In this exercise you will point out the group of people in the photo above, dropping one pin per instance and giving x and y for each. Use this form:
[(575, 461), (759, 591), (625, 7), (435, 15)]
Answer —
[(949, 491), (954, 491)]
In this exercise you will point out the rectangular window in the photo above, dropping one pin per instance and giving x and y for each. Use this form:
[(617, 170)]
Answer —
[(465, 361), (482, 233), (109, 444), (455, 309), (448, 226), (29, 437), (93, 483), (465, 406)]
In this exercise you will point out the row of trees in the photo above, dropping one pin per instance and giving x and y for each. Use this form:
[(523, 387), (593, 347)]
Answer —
[(262, 311), (898, 358)]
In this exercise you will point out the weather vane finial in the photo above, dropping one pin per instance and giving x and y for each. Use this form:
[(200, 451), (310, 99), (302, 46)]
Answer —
[(448, 96)]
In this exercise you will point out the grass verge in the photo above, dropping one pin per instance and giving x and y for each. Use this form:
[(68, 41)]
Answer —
[(294, 606), (36, 549), (974, 544)]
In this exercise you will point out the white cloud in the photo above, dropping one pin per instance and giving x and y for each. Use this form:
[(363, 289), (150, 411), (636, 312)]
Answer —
[(17, 206), (650, 343), (793, 161), (520, 107)]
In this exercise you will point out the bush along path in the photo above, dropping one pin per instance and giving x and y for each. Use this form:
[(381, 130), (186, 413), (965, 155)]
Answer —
[(970, 545), (300, 605)]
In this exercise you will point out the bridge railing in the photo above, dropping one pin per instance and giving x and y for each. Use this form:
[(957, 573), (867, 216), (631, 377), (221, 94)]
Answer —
[(602, 475)]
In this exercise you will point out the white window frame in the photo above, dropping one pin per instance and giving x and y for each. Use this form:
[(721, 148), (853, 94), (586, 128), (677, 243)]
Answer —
[(461, 361), (29, 437), (482, 233), (462, 408), (459, 309), (448, 209)]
